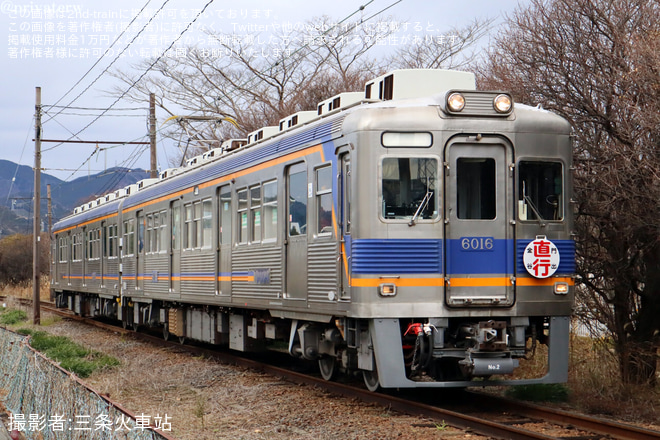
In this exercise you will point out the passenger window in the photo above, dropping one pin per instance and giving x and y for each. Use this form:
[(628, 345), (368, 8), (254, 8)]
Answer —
[(409, 188), (324, 200), (540, 191), (475, 182), (176, 222), (297, 201), (270, 210), (207, 223), (242, 216), (255, 213)]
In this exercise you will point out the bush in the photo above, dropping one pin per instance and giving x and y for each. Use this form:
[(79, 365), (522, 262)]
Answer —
[(11, 317)]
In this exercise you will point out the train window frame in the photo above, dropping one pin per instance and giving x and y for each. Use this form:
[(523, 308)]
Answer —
[(111, 238), (92, 245), (526, 211), (435, 198), (255, 226), (485, 207), (76, 247), (206, 225), (269, 214), (323, 193), (242, 213), (63, 254), (406, 139), (129, 237)]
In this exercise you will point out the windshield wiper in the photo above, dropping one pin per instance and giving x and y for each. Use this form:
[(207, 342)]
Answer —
[(531, 204), (421, 207)]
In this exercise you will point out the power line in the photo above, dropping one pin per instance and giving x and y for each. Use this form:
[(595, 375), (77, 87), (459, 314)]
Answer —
[(99, 60), (143, 74)]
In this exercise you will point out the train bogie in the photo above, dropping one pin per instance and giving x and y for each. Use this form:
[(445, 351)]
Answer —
[(420, 237)]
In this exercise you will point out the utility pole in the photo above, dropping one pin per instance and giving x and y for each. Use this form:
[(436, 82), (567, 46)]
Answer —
[(152, 134), (37, 211), (50, 212)]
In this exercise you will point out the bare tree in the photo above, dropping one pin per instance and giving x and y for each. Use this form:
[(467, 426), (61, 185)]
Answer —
[(455, 49), (254, 85), (596, 62)]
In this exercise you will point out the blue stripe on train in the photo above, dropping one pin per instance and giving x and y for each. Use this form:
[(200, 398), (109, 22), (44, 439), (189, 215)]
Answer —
[(401, 256)]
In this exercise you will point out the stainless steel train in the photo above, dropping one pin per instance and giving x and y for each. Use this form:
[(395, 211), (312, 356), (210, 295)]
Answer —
[(417, 233)]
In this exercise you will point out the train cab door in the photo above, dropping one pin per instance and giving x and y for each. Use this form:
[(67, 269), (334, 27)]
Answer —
[(344, 225), (175, 247), (479, 251), (139, 266), (296, 232)]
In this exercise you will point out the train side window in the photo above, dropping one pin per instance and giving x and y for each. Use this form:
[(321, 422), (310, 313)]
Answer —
[(112, 241), (129, 237), (540, 190), (76, 247), (162, 232), (475, 186), (324, 200), (63, 243), (207, 223), (270, 210), (409, 188), (255, 213), (243, 216), (152, 227), (225, 215), (192, 227), (297, 200)]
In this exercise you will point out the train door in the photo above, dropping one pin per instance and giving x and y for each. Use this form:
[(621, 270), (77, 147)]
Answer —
[(139, 266), (345, 224), (296, 232), (175, 247), (224, 241), (479, 252)]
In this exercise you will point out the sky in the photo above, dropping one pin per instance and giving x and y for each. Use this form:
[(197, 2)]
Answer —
[(53, 44)]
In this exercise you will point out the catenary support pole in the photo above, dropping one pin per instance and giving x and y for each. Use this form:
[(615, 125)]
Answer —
[(152, 134), (37, 211)]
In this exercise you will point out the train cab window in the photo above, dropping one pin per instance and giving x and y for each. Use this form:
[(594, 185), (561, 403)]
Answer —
[(243, 216), (540, 190), (324, 200), (270, 210), (409, 188), (475, 186), (225, 215)]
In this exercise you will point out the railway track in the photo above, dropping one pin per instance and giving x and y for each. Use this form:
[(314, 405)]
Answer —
[(475, 412)]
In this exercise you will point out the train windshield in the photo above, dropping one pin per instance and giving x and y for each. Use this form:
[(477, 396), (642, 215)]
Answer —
[(409, 188), (540, 192)]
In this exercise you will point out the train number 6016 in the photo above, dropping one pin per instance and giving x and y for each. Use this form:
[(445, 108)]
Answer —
[(477, 243)]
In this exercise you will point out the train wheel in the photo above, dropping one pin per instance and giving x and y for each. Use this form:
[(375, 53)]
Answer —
[(328, 367), (371, 379)]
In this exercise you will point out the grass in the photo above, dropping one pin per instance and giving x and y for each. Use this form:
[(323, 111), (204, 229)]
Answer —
[(554, 392), (71, 356), (12, 316)]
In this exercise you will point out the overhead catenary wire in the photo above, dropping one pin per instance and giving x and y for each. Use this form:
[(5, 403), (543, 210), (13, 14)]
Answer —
[(99, 60)]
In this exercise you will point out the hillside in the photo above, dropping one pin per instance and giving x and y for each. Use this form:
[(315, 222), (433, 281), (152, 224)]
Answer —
[(65, 195)]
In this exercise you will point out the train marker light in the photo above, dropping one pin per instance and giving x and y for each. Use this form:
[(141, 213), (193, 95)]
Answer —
[(456, 102), (502, 103), (387, 290), (561, 288)]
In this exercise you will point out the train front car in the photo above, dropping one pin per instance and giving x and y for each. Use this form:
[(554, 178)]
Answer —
[(457, 250)]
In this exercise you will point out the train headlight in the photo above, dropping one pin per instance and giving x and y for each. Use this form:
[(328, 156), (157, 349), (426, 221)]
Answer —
[(561, 288), (456, 102), (502, 103), (387, 289)]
